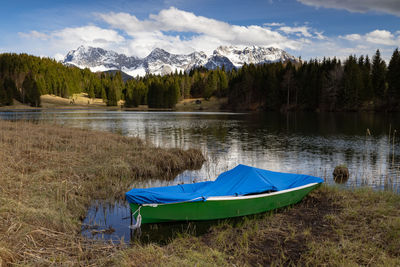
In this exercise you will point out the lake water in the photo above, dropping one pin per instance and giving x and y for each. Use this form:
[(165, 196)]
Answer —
[(307, 143)]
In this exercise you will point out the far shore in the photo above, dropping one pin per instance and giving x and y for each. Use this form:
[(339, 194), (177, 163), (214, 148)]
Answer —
[(82, 101)]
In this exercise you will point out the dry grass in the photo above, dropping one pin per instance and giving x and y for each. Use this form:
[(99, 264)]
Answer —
[(82, 101), (76, 100), (48, 176)]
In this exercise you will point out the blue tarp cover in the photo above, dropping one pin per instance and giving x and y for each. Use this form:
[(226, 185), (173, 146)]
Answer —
[(241, 180)]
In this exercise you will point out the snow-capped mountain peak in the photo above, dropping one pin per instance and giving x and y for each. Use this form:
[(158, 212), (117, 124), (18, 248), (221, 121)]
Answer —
[(162, 62), (98, 59), (253, 54)]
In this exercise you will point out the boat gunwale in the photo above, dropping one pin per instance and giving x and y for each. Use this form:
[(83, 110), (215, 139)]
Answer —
[(241, 197)]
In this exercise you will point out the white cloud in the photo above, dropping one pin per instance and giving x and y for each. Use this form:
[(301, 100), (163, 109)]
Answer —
[(376, 37), (319, 35), (384, 6), (358, 44), (58, 56), (90, 35), (382, 37), (34, 34), (274, 24), (351, 37), (183, 32), (64, 40), (304, 31), (201, 33)]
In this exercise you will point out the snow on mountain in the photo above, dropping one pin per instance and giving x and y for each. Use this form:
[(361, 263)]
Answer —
[(162, 62), (217, 61), (98, 59), (254, 54)]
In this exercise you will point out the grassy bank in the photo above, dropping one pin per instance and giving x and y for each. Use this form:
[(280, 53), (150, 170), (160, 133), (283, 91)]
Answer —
[(49, 174), (82, 101), (75, 101), (329, 227)]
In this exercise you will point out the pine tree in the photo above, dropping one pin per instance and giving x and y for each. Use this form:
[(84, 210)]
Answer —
[(288, 82), (223, 83), (118, 85), (112, 97), (378, 75), (142, 90), (32, 94), (151, 95), (103, 94), (211, 85), (368, 92), (393, 77), (3, 94), (352, 82), (64, 89), (129, 99), (10, 90), (188, 85), (173, 94), (273, 99), (91, 91), (198, 84)]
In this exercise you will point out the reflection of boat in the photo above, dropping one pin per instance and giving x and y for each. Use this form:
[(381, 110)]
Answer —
[(241, 191)]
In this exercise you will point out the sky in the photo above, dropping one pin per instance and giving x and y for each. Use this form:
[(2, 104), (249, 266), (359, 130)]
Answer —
[(305, 28)]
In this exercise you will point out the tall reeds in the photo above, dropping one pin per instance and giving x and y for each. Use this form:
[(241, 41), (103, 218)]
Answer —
[(50, 173)]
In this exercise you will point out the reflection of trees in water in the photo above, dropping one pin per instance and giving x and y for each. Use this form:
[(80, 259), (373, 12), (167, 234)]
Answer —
[(107, 220), (312, 143)]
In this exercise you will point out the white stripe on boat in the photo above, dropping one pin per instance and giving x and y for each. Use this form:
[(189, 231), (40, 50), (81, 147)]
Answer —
[(259, 195), (241, 197)]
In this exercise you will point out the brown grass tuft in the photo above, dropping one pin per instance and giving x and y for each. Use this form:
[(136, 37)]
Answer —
[(48, 176)]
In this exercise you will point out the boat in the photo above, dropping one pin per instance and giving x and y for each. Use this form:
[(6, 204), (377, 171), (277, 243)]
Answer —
[(241, 191)]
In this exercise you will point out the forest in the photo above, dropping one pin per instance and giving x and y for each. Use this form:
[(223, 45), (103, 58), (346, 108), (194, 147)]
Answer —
[(357, 83)]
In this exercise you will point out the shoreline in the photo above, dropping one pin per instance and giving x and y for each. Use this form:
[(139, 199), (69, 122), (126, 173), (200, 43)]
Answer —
[(52, 102), (81, 102), (51, 173)]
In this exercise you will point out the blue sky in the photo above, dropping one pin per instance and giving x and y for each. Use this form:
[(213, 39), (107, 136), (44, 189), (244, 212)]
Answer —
[(306, 28)]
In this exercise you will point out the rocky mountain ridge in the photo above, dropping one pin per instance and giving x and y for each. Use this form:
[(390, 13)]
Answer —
[(162, 62)]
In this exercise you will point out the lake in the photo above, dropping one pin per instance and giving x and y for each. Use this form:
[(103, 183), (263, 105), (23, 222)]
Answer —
[(307, 143)]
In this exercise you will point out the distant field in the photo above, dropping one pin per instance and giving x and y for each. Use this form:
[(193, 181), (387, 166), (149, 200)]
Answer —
[(76, 100), (83, 101)]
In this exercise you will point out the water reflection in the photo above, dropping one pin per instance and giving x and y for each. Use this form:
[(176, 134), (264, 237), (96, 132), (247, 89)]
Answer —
[(107, 222), (309, 143)]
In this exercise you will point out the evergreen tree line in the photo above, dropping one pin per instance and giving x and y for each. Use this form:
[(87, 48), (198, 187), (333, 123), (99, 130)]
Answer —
[(329, 85), (165, 91), (25, 78)]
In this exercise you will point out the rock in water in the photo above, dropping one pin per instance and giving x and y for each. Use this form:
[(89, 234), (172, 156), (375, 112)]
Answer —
[(340, 174)]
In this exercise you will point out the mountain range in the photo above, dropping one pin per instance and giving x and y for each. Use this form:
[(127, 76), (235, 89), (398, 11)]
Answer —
[(162, 62)]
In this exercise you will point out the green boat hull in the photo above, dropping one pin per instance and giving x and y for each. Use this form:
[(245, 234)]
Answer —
[(220, 208)]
